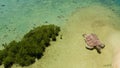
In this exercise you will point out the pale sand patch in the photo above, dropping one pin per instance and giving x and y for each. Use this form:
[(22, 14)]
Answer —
[(114, 40), (70, 51)]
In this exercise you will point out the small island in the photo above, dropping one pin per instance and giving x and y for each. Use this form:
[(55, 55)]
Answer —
[(31, 46)]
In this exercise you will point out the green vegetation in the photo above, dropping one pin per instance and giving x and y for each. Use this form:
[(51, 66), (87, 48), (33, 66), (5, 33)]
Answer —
[(31, 47)]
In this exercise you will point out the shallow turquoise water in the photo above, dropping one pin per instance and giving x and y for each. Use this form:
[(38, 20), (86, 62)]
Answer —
[(19, 16)]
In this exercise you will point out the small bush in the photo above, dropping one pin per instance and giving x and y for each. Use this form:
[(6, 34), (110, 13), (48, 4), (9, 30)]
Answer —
[(8, 61), (53, 37)]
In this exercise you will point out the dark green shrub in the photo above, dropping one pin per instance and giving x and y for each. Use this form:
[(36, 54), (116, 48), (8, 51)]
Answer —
[(25, 60), (30, 47), (1, 57), (8, 62), (53, 37)]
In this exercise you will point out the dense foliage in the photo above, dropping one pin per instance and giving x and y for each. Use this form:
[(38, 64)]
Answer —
[(31, 47)]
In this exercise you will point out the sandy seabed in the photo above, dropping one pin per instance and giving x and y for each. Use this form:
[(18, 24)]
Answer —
[(70, 52)]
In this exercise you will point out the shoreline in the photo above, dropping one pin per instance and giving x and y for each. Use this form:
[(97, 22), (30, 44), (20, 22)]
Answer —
[(70, 52)]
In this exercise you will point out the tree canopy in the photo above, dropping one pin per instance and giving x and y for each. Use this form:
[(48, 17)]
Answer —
[(31, 46)]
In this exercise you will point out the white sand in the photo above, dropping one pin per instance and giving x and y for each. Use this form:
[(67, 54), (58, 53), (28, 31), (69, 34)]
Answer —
[(114, 39), (70, 52)]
